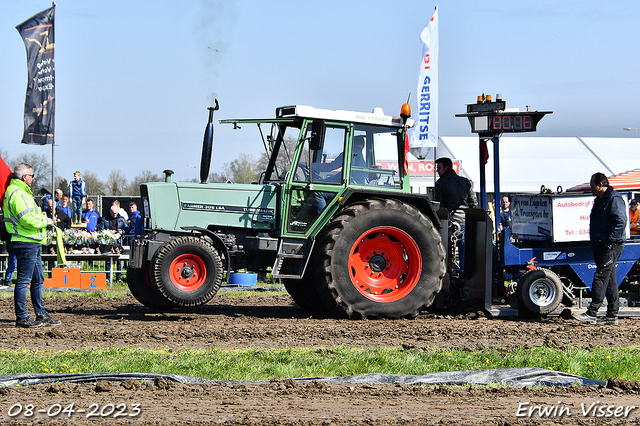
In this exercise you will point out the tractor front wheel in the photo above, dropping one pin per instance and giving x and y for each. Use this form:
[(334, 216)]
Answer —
[(187, 271)]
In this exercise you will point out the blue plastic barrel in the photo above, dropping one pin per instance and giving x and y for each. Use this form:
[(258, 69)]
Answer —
[(243, 279)]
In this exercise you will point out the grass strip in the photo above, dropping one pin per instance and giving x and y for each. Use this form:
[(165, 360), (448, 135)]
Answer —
[(120, 290), (261, 364)]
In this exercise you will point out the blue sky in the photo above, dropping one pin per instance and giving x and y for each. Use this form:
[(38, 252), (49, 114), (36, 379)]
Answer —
[(134, 78)]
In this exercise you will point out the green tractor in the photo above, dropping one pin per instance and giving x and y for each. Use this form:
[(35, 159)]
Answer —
[(333, 217)]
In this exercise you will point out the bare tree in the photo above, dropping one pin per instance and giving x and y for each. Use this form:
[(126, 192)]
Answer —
[(41, 170), (63, 185), (116, 183), (5, 156), (215, 177), (144, 176), (284, 156), (94, 185)]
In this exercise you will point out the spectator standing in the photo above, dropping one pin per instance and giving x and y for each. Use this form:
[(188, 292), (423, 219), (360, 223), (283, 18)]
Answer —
[(12, 263), (634, 219), (60, 218), (78, 193), (505, 213), (46, 198), (115, 223), (121, 211), (136, 226), (27, 226), (454, 192), (64, 206), (91, 217), (607, 232)]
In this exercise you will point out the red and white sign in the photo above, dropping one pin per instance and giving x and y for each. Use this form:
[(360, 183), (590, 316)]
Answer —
[(416, 167), (571, 218)]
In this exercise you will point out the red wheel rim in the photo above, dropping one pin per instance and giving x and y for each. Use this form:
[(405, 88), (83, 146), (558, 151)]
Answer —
[(188, 272), (385, 264)]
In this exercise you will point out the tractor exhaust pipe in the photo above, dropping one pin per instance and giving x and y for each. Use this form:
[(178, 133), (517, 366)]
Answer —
[(207, 146)]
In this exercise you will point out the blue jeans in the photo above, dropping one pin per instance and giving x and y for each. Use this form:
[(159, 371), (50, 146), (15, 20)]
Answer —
[(29, 271), (11, 265), (77, 208), (118, 265)]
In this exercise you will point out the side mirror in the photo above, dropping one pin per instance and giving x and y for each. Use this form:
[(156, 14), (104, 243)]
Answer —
[(317, 135)]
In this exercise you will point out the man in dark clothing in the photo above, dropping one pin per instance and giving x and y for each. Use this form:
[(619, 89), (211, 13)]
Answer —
[(607, 232), (115, 223), (454, 192), (505, 213), (60, 219)]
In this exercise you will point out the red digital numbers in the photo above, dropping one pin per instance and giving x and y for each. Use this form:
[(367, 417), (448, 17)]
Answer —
[(512, 123)]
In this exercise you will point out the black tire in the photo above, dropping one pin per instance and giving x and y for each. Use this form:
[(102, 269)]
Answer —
[(539, 291), (187, 271), (304, 292), (379, 258), (144, 291)]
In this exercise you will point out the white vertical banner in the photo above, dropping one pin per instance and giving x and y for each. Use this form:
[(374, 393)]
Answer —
[(425, 132)]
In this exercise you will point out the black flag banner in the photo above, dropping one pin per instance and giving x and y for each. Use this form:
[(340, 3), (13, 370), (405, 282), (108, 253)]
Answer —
[(39, 105)]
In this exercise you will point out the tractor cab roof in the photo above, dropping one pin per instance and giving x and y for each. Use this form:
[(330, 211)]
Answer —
[(299, 112)]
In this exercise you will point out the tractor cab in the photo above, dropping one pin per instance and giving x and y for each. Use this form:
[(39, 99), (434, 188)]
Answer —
[(315, 155)]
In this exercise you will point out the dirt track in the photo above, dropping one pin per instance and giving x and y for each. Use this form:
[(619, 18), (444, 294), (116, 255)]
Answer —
[(275, 322)]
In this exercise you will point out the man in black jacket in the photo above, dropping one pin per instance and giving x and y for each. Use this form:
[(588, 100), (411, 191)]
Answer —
[(115, 223), (454, 192), (607, 232)]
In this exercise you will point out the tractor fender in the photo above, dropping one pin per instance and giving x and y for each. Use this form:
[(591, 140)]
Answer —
[(217, 243), (419, 201)]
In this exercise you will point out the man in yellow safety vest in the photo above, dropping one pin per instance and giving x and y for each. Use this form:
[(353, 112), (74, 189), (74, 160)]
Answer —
[(26, 223)]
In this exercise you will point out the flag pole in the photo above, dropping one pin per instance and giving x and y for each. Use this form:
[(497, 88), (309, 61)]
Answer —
[(53, 169), (53, 186)]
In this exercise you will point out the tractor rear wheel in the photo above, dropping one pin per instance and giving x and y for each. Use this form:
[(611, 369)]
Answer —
[(143, 290), (539, 291), (380, 258), (187, 271)]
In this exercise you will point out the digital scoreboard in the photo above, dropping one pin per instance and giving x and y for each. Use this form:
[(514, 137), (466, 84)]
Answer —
[(506, 122), (492, 118)]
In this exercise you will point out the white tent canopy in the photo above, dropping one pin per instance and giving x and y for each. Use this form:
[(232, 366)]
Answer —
[(527, 163)]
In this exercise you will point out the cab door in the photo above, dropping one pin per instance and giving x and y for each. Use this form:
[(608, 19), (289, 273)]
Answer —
[(317, 179)]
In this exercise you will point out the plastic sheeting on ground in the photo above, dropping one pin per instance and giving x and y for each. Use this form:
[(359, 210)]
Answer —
[(513, 377)]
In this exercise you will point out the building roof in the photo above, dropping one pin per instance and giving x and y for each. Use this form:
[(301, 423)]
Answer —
[(627, 181), (528, 162)]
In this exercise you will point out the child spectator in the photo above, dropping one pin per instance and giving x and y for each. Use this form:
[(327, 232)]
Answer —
[(78, 192)]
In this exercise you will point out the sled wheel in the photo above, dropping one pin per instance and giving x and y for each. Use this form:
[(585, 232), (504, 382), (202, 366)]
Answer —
[(539, 291), (187, 271), (381, 258), (143, 290), (303, 292)]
